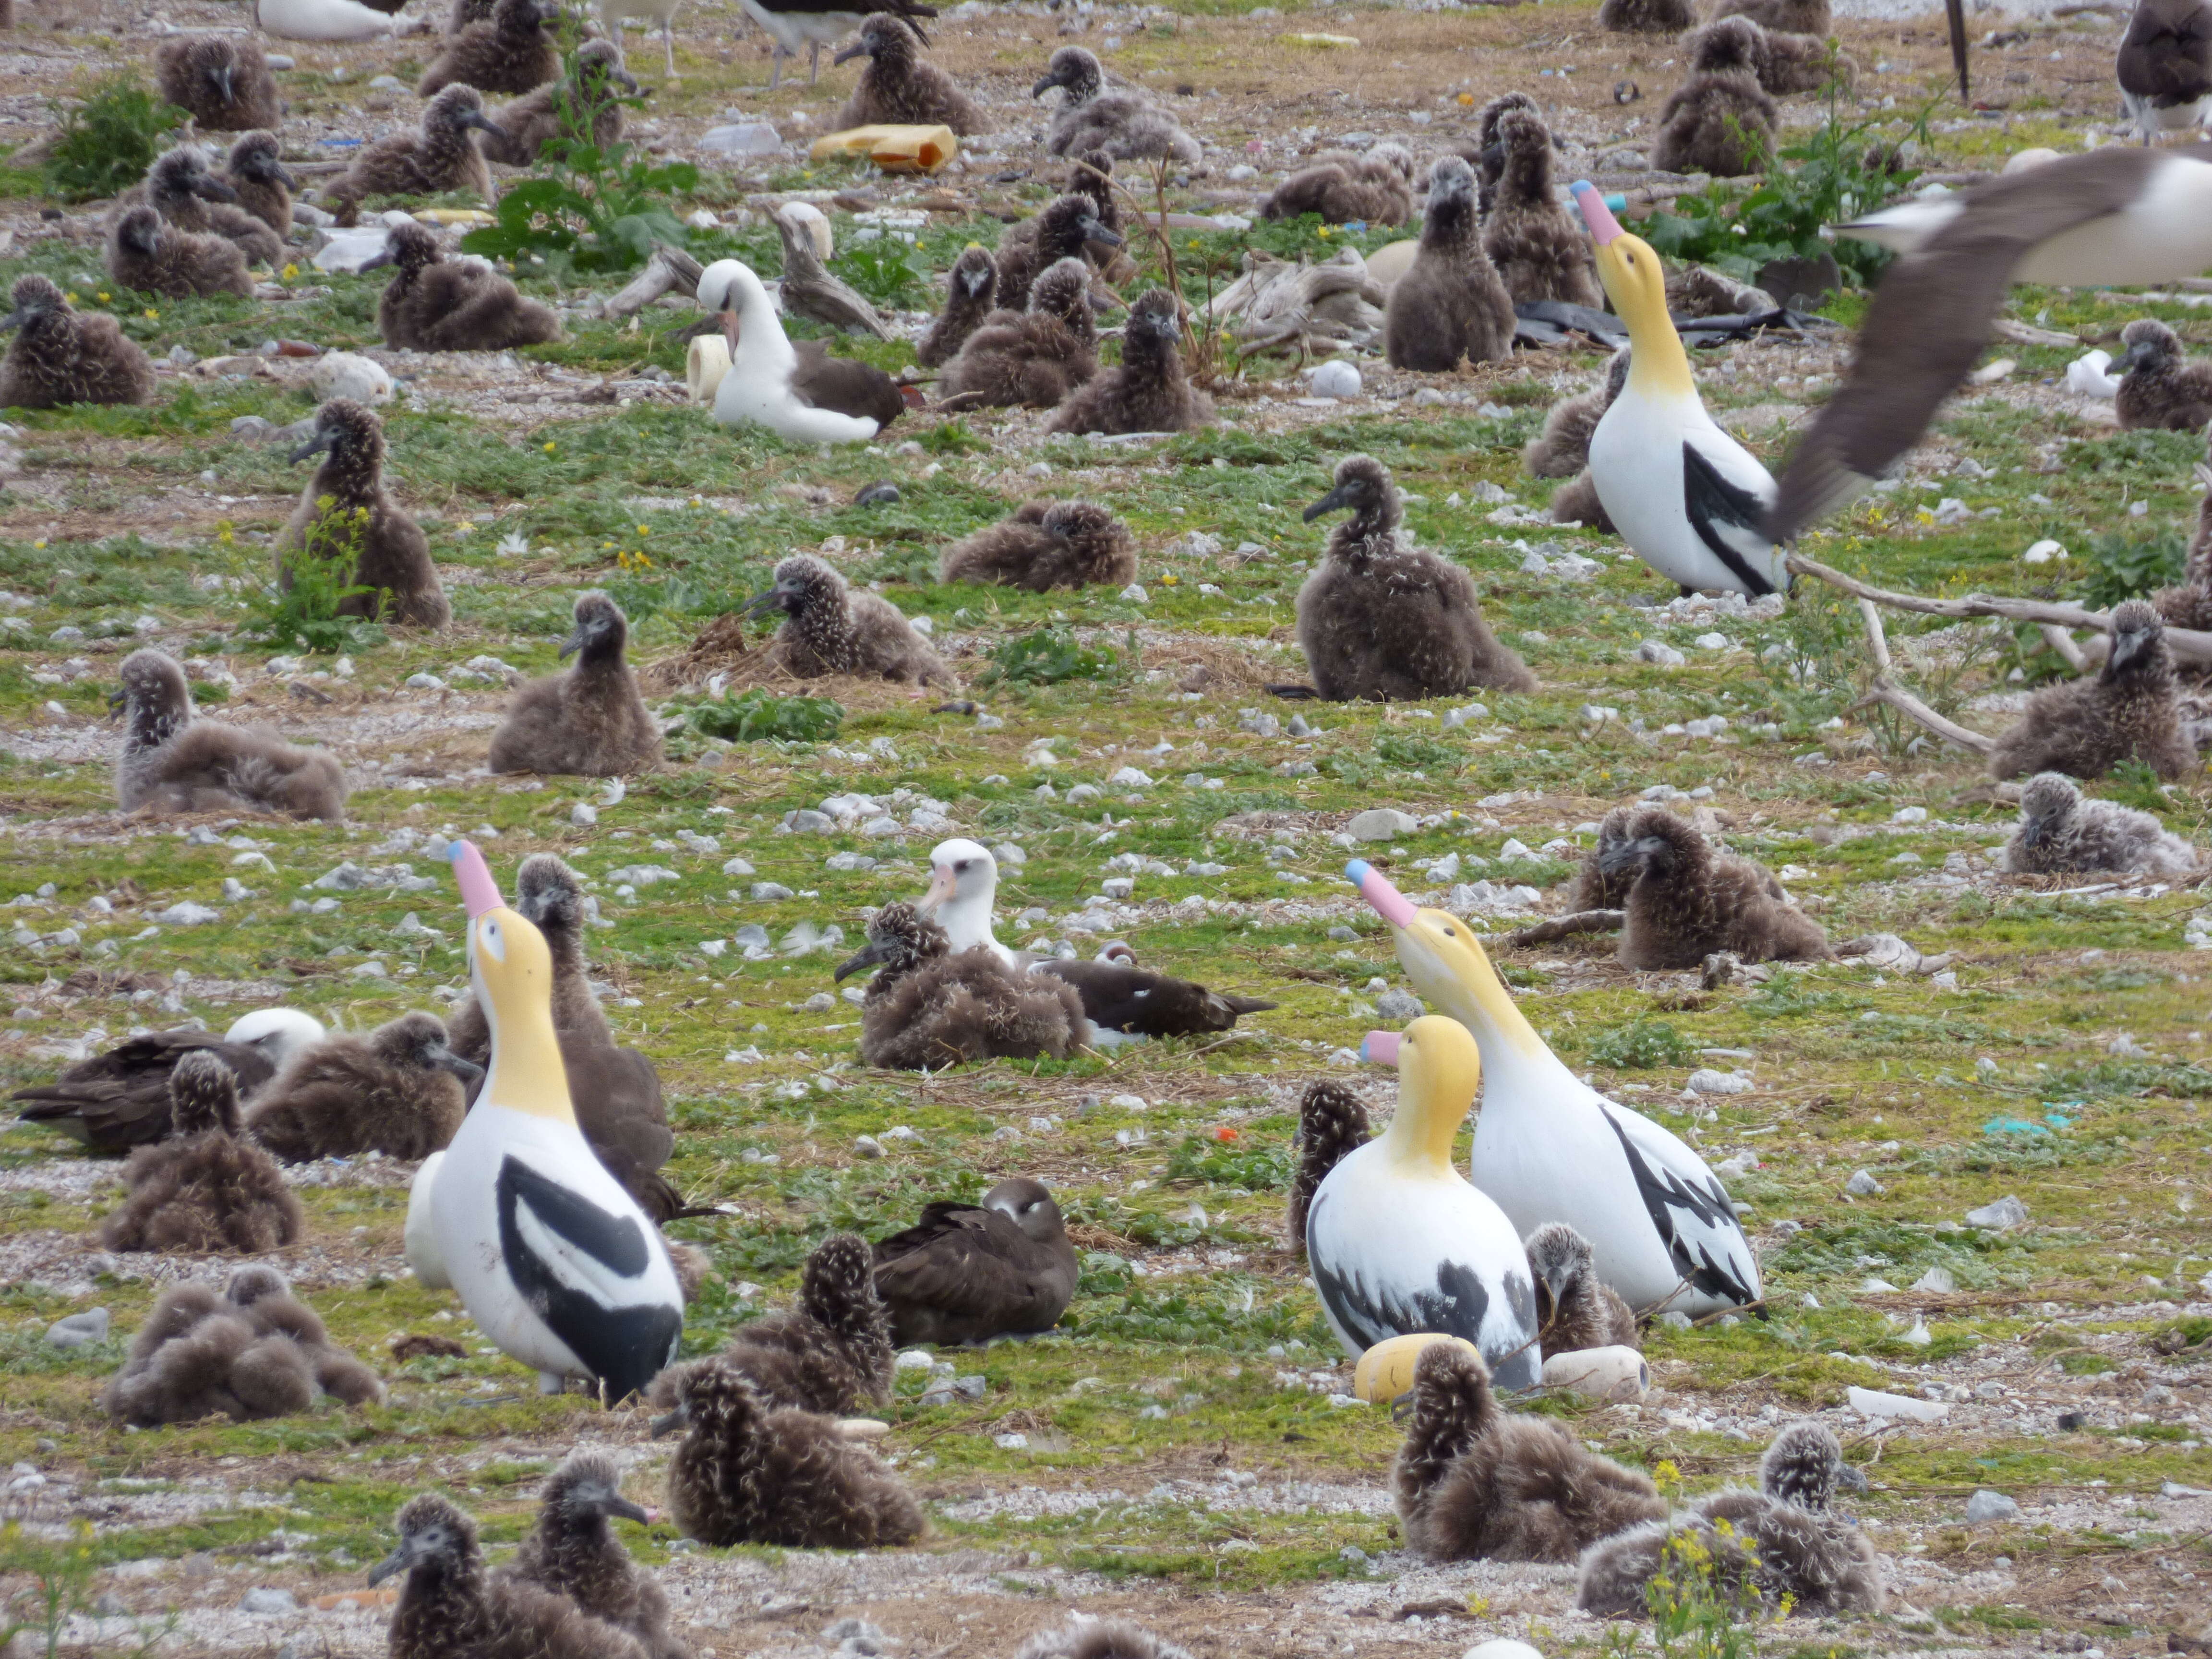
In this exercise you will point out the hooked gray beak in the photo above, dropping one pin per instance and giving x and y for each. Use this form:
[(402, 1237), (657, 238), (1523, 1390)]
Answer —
[(1094, 231), (2126, 646), (2133, 357), (573, 644), (482, 122), (13, 319), (1335, 501), (314, 446), (209, 188), (398, 1561), (856, 50), (445, 1059), (278, 175), (1627, 854), (617, 1505), (222, 83), (1045, 84), (768, 601), (115, 700), (867, 958), (383, 256), (669, 1425)]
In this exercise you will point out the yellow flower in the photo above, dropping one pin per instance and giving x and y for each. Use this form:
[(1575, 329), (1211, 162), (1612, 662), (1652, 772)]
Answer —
[(103, 299), (41, 542), (291, 269), (1322, 232), (152, 316), (1169, 581), (549, 447), (645, 530)]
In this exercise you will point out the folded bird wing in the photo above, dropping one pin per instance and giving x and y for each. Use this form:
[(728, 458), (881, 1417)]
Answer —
[(959, 1258), (1930, 319), (842, 383)]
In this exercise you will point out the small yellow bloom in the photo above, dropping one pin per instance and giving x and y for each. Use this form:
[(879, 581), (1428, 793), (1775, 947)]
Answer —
[(41, 542), (1323, 232), (291, 270), (1169, 581), (153, 316), (1466, 99), (549, 447), (103, 299), (645, 530)]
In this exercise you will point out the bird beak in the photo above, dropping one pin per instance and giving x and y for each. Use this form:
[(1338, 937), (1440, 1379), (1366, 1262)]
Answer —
[(1094, 231), (621, 1507), (13, 319), (1045, 85), (2131, 358), (867, 958), (1335, 501), (775, 596), (383, 256), (398, 1561), (209, 188), (1851, 1478), (222, 81), (314, 446), (852, 52), (116, 699), (2125, 646), (446, 1060), (675, 1420), (940, 891), (283, 178), (1627, 854), (627, 80), (731, 330), (572, 645), (483, 123)]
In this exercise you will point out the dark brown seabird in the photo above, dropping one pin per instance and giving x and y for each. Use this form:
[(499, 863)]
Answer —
[(968, 1272)]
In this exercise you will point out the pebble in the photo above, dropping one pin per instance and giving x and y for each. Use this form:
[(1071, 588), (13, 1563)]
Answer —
[(268, 1598), (1399, 1007), (583, 814), (867, 1147), (1985, 1506), (735, 867), (2002, 1216), (1659, 652), (1336, 378), (1874, 1402), (1863, 1184), (79, 1329), (1381, 823), (770, 892), (186, 914), (348, 374)]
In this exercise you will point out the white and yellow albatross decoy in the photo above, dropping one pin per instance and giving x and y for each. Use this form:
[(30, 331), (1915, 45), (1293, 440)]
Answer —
[(1400, 1243), (549, 1253), (1548, 1147), (1687, 498)]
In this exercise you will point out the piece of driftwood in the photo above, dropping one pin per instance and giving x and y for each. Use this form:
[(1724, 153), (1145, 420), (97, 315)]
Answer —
[(2063, 642), (1884, 689), (1279, 305), (1575, 922), (671, 270), (809, 290), (2188, 644)]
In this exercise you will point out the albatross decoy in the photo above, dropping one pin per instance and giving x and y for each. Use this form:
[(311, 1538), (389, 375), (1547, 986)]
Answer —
[(2111, 217), (807, 396), (969, 1274)]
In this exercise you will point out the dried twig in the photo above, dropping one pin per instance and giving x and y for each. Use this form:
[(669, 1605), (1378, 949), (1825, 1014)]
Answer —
[(2063, 642), (1577, 921), (1882, 689)]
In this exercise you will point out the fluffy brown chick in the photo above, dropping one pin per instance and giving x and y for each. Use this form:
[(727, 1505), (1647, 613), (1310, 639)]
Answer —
[(1575, 1309), (1064, 229), (152, 256), (1789, 16), (573, 1551), (928, 1007), (1592, 888), (1331, 1122), (1474, 1481), (2062, 834), (346, 512), (1035, 357), (900, 85), (172, 761), (1685, 902), (182, 187), (2128, 708), (1450, 306), (265, 1300), (62, 356), (398, 1090), (2160, 388), (1148, 391), (1562, 449), (1539, 249), (970, 294), (1375, 189), (589, 721), (1645, 17), (830, 1354), (222, 81), (1044, 545), (829, 629), (747, 1474), (1721, 120), (436, 304), (512, 51), (206, 1188), (524, 127), (441, 155), (254, 170)]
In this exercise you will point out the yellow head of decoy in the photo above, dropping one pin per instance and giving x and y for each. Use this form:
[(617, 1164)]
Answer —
[(1439, 1074), (1635, 283), (1445, 961), (512, 968)]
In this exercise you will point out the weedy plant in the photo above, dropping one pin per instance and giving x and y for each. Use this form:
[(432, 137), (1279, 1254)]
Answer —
[(1640, 1046), (2123, 564), (1702, 1601), (304, 607), (60, 1576), (590, 207), (759, 715), (885, 272), (108, 139), (1048, 657)]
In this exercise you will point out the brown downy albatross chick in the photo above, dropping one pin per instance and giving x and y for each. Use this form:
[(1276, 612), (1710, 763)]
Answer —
[(223, 83), (1800, 63), (830, 1354), (436, 304), (573, 1551), (1645, 17), (1331, 1122), (1783, 1544), (1787, 16), (968, 1273), (970, 290), (521, 130), (1562, 449), (441, 155), (1539, 249), (62, 355), (1592, 888), (203, 1360), (450, 1608), (2062, 834), (616, 1092), (1148, 391), (154, 258), (1124, 124), (1685, 902), (747, 1473), (264, 1299), (829, 629), (1044, 545), (586, 721), (462, 13), (206, 1188), (1720, 120), (1086, 1637), (1485, 156), (1474, 1481), (1091, 175), (1065, 227), (900, 85), (2087, 726), (185, 192), (175, 763), (512, 51), (929, 1006), (398, 1090), (1036, 357), (254, 170), (1381, 620), (1451, 305), (2160, 388), (1375, 189), (1576, 502), (2190, 605), (392, 556), (1575, 1309)]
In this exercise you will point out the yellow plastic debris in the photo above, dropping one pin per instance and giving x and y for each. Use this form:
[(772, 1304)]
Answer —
[(454, 217), (894, 149), (1386, 1371)]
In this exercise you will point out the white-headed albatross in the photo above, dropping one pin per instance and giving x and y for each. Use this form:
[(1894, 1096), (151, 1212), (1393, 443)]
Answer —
[(2111, 218), (1400, 1243), (1548, 1147), (549, 1253), (1685, 497)]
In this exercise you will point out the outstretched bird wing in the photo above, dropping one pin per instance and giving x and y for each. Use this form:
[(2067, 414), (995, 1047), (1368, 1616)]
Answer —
[(1690, 1207)]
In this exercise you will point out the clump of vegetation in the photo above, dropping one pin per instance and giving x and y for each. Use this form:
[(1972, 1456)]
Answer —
[(1641, 1046), (2120, 564), (1256, 1166), (1048, 657), (304, 610), (759, 715), (884, 269), (60, 1585), (1701, 1600), (107, 141), (1836, 173), (590, 207)]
